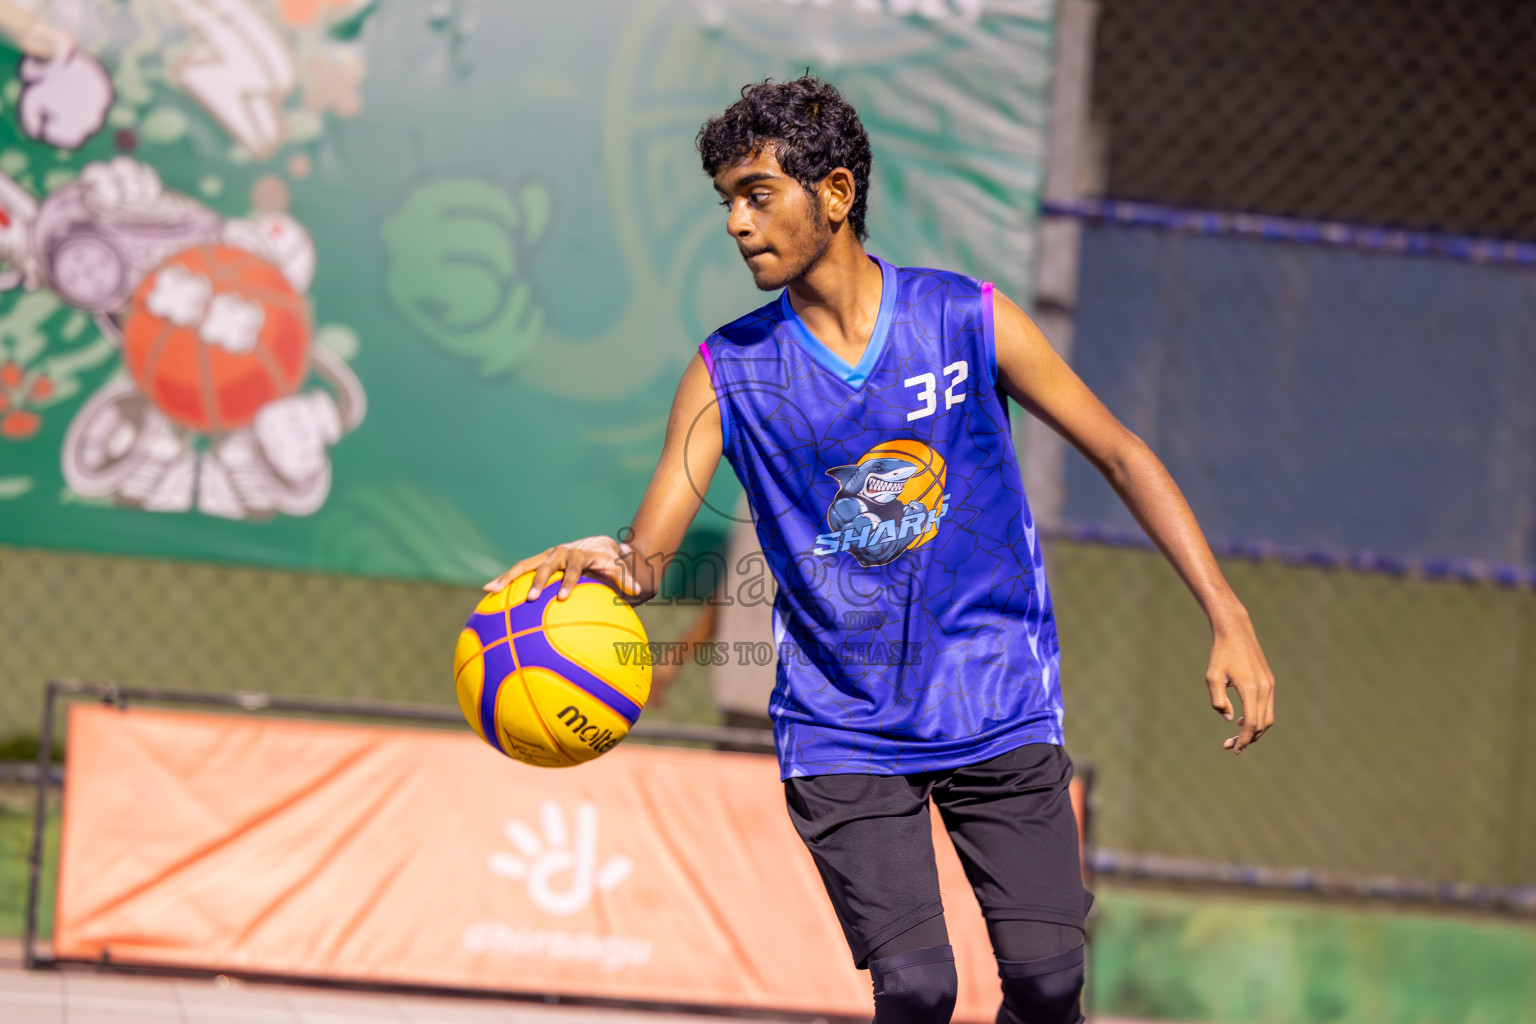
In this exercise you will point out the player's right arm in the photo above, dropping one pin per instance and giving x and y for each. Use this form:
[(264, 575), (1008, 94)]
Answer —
[(689, 457), (1038, 379)]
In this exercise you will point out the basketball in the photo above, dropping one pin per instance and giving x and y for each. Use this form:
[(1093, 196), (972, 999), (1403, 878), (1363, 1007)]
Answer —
[(552, 683), (213, 334), (926, 485)]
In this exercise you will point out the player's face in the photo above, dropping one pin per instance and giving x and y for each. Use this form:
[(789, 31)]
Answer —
[(779, 227)]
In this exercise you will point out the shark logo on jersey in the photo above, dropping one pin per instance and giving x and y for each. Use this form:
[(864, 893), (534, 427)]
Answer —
[(890, 501)]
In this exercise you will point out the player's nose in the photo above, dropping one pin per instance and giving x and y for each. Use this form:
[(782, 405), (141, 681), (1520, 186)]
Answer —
[(738, 224)]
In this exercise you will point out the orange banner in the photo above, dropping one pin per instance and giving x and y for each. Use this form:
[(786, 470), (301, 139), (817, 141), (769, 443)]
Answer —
[(412, 856)]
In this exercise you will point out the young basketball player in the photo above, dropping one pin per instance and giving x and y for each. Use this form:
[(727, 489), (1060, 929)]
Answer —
[(864, 411)]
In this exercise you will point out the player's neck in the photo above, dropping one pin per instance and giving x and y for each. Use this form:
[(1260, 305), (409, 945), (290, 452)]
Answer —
[(838, 298)]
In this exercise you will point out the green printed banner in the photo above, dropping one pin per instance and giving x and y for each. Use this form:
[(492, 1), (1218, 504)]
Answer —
[(405, 288)]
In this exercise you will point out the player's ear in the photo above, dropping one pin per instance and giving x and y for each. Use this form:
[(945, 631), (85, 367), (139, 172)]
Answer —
[(837, 193)]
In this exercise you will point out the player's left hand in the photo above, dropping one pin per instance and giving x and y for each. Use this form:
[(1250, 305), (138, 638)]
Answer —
[(1237, 662)]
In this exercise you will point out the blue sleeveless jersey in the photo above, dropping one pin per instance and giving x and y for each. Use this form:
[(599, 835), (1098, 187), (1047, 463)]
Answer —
[(913, 624)]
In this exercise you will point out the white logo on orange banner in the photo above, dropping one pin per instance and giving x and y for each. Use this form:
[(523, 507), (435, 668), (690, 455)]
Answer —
[(560, 869), (610, 952)]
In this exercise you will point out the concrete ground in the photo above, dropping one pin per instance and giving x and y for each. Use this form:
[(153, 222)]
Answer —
[(86, 997), (76, 996)]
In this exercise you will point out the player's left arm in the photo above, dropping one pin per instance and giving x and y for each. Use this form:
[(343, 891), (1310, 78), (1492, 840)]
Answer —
[(1033, 375)]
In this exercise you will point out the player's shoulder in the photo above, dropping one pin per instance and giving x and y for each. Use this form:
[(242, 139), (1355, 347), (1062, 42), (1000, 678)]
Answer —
[(933, 283), (756, 328)]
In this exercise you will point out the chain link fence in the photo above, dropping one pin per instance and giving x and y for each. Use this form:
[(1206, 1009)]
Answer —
[(1403, 701), (1413, 115), (1402, 706), (1346, 404), (195, 626)]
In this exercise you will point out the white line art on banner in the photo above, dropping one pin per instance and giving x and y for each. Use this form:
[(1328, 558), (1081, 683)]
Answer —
[(560, 853)]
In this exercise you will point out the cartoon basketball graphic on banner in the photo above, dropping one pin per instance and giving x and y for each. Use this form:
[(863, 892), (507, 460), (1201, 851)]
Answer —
[(229, 396), (227, 403), (213, 334)]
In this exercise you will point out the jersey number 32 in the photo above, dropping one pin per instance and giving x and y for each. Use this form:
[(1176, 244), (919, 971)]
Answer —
[(955, 374)]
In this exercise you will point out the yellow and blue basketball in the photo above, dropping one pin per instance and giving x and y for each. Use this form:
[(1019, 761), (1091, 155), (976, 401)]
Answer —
[(552, 683)]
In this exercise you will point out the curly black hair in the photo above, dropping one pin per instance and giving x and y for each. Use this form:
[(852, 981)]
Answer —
[(812, 128)]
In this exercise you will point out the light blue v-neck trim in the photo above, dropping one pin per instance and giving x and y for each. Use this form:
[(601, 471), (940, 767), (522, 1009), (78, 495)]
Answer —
[(853, 376)]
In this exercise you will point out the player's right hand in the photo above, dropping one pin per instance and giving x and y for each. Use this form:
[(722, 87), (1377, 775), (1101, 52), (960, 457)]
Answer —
[(595, 556)]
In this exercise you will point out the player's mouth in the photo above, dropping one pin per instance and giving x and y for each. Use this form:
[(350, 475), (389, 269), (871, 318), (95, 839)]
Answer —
[(750, 256)]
